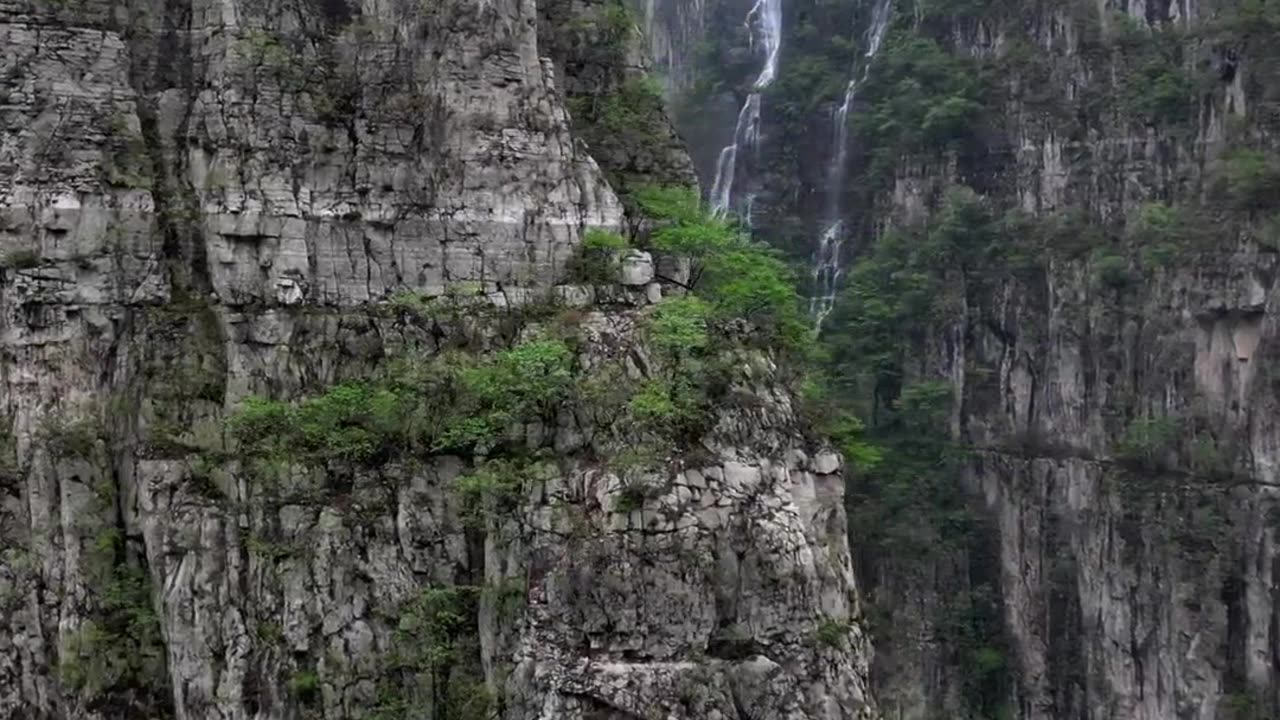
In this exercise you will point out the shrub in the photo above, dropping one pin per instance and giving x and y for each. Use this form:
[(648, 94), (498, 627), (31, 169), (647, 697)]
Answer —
[(352, 422), (67, 438), (1162, 231), (9, 465), (1249, 179), (305, 686), (631, 497), (635, 108), (1147, 441), (653, 403), (597, 259), (518, 384), (1268, 236), (920, 96), (414, 304), (260, 422), (1162, 93), (596, 239), (1072, 233), (632, 116), (950, 119), (833, 633), (1158, 221), (1113, 270), (454, 402), (1207, 458), (686, 226), (674, 203), (493, 488), (433, 629), (679, 325)]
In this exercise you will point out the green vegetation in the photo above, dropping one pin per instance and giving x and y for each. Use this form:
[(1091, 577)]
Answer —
[(305, 686), (455, 402), (680, 325), (818, 69), (970, 625), (598, 258), (493, 488), (434, 664), (1148, 442), (128, 164), (1245, 705), (607, 30), (921, 98), (1163, 232), (905, 500), (833, 633), (655, 404), (1112, 270), (596, 239), (634, 111), (116, 659), (21, 259), (10, 465), (476, 405), (632, 497), (878, 395), (1155, 87), (491, 408), (1248, 179), (71, 438), (617, 108), (734, 275), (275, 56), (628, 119)]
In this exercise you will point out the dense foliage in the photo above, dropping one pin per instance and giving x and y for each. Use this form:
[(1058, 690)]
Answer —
[(455, 402), (737, 276)]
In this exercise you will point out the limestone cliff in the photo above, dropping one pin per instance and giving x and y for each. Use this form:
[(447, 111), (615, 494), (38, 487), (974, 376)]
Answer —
[(1055, 235), (1111, 381), (205, 201)]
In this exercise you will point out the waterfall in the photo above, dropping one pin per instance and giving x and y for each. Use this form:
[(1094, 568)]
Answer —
[(826, 260), (764, 25)]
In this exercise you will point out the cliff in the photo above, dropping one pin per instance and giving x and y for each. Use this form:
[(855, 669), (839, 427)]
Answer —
[(1051, 226), (306, 415)]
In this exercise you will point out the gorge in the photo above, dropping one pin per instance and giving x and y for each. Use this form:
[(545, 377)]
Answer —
[(372, 359)]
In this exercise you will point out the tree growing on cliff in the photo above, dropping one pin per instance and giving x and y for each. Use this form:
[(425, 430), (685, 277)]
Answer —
[(737, 276)]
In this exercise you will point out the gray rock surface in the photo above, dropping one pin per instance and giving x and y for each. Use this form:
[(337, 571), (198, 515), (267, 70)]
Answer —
[(637, 268), (1123, 592), (200, 201)]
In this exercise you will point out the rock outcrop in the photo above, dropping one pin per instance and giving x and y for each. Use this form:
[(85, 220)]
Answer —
[(202, 201)]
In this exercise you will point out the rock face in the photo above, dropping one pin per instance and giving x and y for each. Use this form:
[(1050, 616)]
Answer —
[(1108, 374), (617, 107), (1117, 406), (709, 600), (200, 201)]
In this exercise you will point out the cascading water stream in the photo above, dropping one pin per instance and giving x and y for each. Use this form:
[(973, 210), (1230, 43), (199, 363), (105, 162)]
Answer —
[(826, 262), (764, 24)]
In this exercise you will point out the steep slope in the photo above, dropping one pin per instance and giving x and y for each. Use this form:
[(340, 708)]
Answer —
[(205, 201), (1059, 333), (1104, 331)]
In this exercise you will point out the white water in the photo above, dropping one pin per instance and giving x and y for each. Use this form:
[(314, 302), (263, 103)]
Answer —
[(826, 261), (764, 25)]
